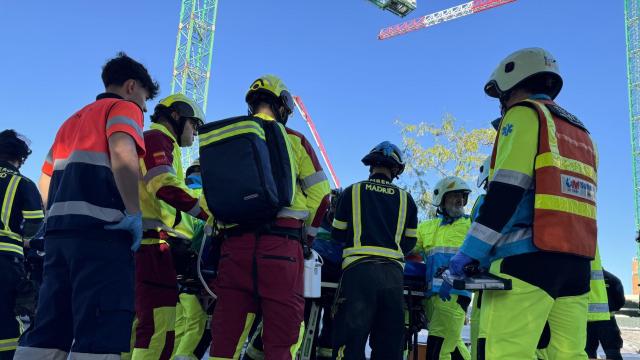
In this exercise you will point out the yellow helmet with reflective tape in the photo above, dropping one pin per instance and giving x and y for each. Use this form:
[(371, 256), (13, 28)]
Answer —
[(522, 65), (272, 90), (447, 185), (184, 106)]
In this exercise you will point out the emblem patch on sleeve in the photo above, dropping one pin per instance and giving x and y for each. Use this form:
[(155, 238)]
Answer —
[(160, 157)]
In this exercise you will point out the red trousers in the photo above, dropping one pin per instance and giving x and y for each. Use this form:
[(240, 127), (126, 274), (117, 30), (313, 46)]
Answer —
[(258, 274), (156, 299)]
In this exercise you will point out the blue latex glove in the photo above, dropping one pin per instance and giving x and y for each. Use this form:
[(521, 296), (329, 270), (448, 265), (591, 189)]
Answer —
[(445, 291), (458, 262), (194, 181), (132, 224)]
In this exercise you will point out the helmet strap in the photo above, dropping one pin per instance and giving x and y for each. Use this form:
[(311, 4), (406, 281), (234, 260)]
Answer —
[(177, 125)]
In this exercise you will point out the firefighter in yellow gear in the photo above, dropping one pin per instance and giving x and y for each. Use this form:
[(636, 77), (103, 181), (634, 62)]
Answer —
[(272, 248), (438, 240), (164, 199)]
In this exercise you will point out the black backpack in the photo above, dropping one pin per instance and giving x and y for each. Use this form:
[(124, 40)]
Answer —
[(247, 167)]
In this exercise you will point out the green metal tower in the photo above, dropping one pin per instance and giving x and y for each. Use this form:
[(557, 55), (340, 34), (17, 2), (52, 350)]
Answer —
[(194, 51)]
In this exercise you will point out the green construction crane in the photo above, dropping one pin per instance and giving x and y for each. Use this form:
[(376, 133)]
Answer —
[(192, 61)]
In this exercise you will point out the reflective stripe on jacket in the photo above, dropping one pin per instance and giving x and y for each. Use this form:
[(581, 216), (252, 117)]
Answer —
[(20, 203), (375, 218), (598, 301), (565, 184), (163, 192), (83, 192), (438, 241), (504, 226)]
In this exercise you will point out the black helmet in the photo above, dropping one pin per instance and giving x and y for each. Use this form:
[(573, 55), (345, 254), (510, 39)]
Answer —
[(387, 155), (13, 146)]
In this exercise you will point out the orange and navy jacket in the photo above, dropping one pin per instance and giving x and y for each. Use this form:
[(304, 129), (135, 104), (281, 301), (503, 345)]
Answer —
[(83, 192), (20, 205), (163, 192)]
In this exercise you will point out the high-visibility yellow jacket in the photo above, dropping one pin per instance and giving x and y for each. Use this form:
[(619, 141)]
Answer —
[(438, 240), (163, 192)]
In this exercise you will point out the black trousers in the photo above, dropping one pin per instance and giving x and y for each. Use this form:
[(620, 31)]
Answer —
[(606, 333), (86, 302), (369, 304), (12, 270)]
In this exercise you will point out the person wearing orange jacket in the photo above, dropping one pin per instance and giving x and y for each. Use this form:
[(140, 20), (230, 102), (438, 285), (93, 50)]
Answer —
[(261, 267), (537, 223), (89, 185), (164, 200)]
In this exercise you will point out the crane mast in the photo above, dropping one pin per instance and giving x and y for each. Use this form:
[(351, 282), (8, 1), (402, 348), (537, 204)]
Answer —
[(632, 26), (192, 60)]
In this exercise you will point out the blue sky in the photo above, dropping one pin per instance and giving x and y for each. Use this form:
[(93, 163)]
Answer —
[(354, 85)]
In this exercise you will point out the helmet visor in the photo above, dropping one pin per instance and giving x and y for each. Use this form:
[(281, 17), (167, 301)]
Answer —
[(287, 101)]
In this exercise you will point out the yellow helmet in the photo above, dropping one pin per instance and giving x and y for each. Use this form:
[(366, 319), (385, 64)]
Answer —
[(522, 65), (184, 106), (270, 88)]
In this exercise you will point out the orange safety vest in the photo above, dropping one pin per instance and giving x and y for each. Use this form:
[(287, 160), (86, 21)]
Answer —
[(565, 183)]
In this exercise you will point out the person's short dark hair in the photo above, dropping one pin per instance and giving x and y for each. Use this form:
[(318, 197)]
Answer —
[(13, 146), (122, 68)]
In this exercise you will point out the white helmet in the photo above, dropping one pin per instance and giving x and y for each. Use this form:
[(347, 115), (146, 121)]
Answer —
[(446, 185), (484, 172), (522, 65)]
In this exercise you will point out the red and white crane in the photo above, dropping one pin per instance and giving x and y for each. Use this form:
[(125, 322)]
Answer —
[(472, 7), (314, 132)]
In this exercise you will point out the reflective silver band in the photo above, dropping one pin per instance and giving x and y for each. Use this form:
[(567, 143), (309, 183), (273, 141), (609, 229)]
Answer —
[(85, 208), (123, 120)]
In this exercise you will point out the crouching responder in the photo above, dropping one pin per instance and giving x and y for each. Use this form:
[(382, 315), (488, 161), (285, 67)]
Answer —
[(190, 316), (537, 224), (93, 223), (377, 222), (261, 265), (164, 200), (21, 216), (438, 240)]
